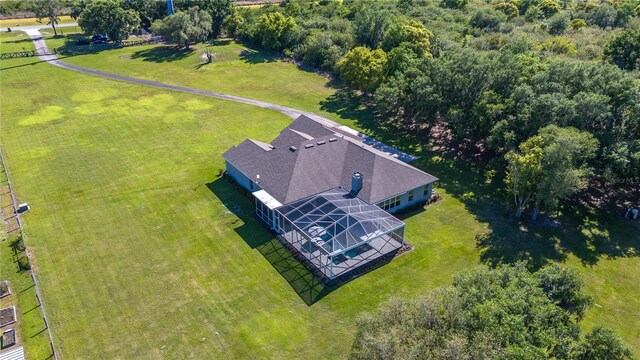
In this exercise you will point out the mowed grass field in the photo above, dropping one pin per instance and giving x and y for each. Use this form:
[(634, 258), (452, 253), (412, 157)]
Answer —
[(144, 253), (236, 69), (15, 41)]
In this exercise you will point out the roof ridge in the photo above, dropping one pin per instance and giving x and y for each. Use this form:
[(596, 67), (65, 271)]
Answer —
[(303, 134)]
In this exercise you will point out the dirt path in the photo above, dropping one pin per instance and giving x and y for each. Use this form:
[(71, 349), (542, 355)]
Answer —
[(45, 55)]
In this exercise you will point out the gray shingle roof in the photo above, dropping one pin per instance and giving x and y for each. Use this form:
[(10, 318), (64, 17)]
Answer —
[(291, 175)]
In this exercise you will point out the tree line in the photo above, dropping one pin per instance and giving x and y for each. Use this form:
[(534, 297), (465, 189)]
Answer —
[(502, 75), (503, 313)]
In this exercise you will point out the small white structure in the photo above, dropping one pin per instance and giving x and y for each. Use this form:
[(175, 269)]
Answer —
[(23, 207)]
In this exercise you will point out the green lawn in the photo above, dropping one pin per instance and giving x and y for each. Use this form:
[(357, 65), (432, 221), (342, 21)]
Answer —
[(144, 253), (136, 251), (255, 74), (15, 41)]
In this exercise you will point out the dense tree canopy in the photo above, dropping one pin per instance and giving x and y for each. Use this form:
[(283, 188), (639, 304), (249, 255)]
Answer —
[(109, 18), (272, 29), (624, 50), (363, 67), (504, 313), (217, 9), (184, 27)]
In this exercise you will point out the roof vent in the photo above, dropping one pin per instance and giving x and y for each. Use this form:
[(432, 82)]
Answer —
[(332, 139), (293, 149), (321, 142), (356, 183), (308, 146)]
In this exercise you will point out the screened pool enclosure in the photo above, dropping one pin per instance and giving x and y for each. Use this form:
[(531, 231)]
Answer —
[(336, 231)]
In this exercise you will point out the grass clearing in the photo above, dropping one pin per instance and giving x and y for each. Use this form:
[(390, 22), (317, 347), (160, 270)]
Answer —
[(15, 41), (254, 74), (136, 239), (129, 225)]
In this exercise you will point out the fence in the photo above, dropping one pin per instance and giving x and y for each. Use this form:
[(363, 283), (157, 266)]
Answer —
[(18, 54), (33, 275)]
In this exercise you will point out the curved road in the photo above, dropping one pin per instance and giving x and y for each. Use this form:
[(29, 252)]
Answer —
[(45, 55)]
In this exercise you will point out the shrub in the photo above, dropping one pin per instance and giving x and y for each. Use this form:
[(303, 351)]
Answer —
[(604, 16), (558, 23), (454, 4), (549, 7), (23, 262), (488, 19), (560, 45), (321, 52), (533, 13), (624, 50), (507, 8), (578, 24)]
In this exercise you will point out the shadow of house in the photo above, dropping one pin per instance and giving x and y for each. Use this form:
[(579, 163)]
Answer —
[(162, 54), (238, 201)]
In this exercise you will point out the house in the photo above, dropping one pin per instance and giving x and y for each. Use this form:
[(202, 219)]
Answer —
[(329, 191)]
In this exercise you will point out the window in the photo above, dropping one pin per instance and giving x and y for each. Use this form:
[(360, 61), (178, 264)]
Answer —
[(410, 195), (390, 203), (426, 190), (251, 184)]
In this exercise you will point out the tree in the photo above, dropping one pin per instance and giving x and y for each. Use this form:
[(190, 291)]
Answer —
[(502, 313), (108, 18), (233, 23), (508, 8), (488, 19), (184, 27), (148, 10), (624, 50), (77, 7), (524, 172), (549, 7), (564, 168), (414, 34), (370, 25), (558, 23), (321, 51), (218, 9), (602, 343), (272, 28), (363, 67), (605, 16), (564, 287), (578, 24), (50, 10), (455, 4)]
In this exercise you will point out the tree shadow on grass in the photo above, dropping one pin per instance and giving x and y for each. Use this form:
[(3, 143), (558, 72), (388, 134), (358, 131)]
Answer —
[(585, 232), (580, 231), (254, 56), (239, 202), (162, 54), (22, 40)]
